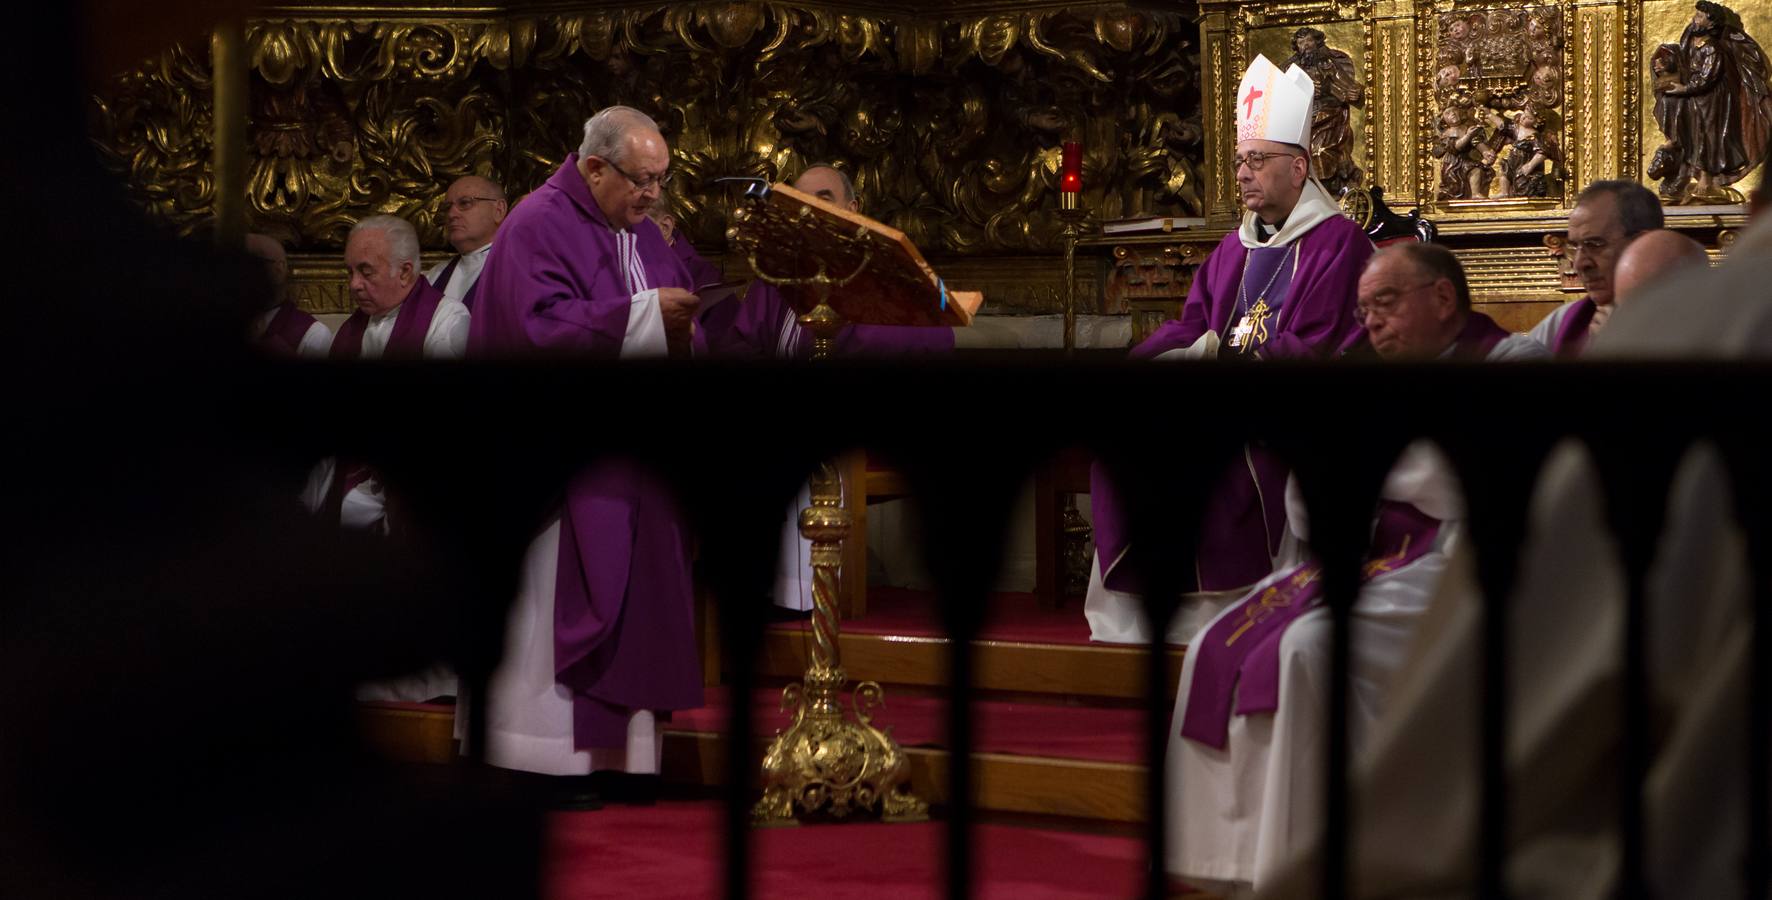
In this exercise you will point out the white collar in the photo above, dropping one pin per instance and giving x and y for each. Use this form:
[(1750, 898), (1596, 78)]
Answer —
[(1315, 206)]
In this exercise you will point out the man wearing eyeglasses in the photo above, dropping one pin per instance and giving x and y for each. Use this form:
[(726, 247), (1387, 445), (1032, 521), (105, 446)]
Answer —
[(472, 209), (1608, 216), (1415, 304), (601, 643), (1279, 287)]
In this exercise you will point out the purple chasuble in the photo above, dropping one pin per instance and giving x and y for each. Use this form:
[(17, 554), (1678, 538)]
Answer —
[(1239, 656), (1477, 338), (1245, 516), (560, 280), (407, 340), (1571, 337), (283, 335), (764, 325)]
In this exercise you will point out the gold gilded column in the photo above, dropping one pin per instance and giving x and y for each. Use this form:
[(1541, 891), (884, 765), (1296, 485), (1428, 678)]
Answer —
[(227, 51)]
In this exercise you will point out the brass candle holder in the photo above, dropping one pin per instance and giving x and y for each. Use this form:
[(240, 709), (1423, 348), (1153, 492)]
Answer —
[(825, 763), (1073, 215)]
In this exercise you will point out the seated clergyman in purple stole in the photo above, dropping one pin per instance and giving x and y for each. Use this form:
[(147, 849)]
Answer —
[(1279, 287), (472, 208), (282, 329), (1607, 217), (1415, 304), (601, 642), (1246, 751), (399, 316), (764, 325), (702, 274)]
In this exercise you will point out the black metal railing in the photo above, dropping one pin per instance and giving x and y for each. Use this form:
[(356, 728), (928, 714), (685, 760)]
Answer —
[(736, 441)]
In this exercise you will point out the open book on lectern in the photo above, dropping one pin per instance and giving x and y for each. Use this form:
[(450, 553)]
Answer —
[(788, 233)]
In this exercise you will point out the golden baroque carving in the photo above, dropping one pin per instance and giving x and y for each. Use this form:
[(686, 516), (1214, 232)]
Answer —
[(951, 128)]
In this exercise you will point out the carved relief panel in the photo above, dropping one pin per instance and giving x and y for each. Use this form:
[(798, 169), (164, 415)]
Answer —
[(1497, 90), (1704, 65)]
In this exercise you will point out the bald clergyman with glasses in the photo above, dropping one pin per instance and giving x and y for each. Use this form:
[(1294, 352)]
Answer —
[(1282, 286), (472, 210)]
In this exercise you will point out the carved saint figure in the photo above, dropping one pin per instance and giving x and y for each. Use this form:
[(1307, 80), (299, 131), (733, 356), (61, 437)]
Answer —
[(1465, 158), (1527, 170), (1714, 105), (1338, 92)]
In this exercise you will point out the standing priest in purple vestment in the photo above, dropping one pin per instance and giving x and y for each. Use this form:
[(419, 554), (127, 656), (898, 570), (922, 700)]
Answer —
[(763, 325), (601, 639), (1279, 287), (1608, 216)]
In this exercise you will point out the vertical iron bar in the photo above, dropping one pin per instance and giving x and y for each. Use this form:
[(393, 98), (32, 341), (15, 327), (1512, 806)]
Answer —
[(1156, 738), (1636, 733), (1758, 876), (1341, 588), (1492, 841), (960, 812)]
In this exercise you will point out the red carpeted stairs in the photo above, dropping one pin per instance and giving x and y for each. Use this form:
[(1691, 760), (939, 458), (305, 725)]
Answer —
[(1058, 723)]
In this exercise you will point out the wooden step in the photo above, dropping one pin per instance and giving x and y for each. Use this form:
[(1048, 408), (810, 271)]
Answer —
[(1077, 670), (409, 732), (1081, 789)]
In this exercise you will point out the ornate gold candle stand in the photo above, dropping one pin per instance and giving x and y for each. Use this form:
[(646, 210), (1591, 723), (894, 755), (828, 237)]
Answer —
[(1073, 215), (824, 764)]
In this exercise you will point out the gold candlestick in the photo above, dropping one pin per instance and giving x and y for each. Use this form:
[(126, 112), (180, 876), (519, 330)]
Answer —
[(823, 763), (1073, 216)]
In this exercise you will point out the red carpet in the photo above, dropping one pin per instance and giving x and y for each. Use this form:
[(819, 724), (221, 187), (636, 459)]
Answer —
[(1009, 617), (673, 851), (1023, 729)]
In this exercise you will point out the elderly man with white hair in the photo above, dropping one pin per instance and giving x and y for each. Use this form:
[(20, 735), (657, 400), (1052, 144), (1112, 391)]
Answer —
[(399, 316), (601, 641)]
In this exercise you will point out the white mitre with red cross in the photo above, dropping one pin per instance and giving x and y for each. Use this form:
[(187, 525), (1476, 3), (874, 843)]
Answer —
[(1273, 105)]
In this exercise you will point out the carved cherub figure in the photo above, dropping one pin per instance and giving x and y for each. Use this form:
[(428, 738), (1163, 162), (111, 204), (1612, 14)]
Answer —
[(1465, 159)]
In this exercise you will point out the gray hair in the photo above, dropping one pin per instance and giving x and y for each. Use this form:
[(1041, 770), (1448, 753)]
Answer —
[(848, 184), (1639, 210), (606, 132), (402, 238)]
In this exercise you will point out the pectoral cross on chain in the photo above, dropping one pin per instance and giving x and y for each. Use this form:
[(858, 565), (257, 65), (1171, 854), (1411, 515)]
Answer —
[(1252, 329)]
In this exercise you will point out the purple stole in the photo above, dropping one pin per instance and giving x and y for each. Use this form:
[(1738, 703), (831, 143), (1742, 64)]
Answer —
[(283, 335), (467, 299), (1268, 277), (1571, 336), (408, 338), (1239, 655), (1477, 338), (407, 341)]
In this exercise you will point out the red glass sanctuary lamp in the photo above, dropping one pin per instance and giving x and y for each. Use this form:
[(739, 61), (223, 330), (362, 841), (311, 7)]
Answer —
[(1070, 176)]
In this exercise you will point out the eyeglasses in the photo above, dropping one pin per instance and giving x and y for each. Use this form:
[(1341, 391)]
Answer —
[(1254, 159), (1385, 305), (1590, 246), (660, 181), (466, 204)]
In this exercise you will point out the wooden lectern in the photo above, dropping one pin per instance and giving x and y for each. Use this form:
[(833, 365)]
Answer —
[(835, 268)]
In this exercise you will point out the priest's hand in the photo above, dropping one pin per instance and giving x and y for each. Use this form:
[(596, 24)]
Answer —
[(678, 308)]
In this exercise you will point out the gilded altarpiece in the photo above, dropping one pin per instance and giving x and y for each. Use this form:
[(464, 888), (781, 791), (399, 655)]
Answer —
[(950, 121)]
